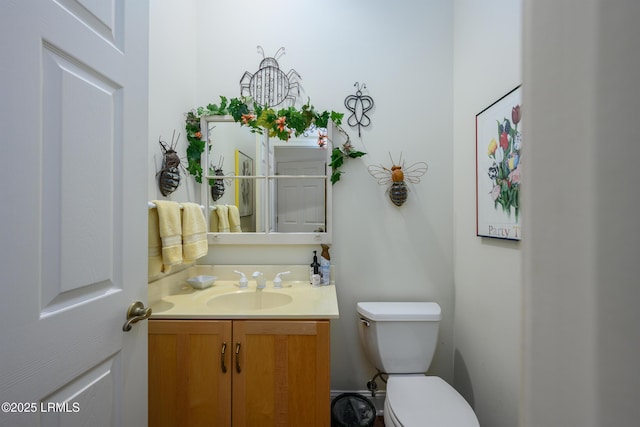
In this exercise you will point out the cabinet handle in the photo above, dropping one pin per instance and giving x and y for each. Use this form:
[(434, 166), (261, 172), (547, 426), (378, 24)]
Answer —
[(222, 365), (238, 357)]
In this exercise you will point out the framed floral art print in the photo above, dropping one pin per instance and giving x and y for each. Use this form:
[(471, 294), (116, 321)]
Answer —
[(498, 167)]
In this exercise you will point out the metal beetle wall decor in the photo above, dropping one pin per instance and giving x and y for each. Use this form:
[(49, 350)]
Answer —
[(169, 175), (270, 85), (397, 175), (359, 105), (218, 184)]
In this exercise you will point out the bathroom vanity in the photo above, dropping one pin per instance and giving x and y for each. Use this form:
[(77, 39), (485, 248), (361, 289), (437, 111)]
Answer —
[(226, 356)]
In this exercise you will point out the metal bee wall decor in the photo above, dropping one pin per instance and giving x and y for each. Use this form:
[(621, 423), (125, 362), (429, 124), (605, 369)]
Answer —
[(270, 85), (396, 176), (169, 175), (218, 184), (359, 105)]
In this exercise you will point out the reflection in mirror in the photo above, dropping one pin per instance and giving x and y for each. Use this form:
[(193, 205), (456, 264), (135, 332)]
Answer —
[(299, 201), (236, 212), (263, 190), (232, 153)]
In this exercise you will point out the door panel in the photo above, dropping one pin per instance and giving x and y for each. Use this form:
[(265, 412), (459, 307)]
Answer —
[(74, 121), (98, 383), (301, 202), (284, 378), (81, 112), (187, 385)]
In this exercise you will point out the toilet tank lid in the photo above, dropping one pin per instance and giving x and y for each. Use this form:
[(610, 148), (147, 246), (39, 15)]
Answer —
[(400, 311)]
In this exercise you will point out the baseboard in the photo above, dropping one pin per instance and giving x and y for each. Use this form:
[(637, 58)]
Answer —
[(378, 400)]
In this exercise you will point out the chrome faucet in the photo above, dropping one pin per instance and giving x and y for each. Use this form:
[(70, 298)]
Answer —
[(261, 280), (277, 281)]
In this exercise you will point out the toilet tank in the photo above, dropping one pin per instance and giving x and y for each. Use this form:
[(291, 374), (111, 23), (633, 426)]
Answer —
[(399, 337)]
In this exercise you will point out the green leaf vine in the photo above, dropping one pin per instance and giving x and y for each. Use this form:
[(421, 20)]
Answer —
[(259, 119)]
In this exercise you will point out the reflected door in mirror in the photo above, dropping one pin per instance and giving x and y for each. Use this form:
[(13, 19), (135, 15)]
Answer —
[(300, 201)]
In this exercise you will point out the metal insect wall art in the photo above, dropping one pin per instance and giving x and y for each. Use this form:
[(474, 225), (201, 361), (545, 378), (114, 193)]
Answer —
[(359, 105), (397, 176), (218, 184), (270, 85), (169, 175)]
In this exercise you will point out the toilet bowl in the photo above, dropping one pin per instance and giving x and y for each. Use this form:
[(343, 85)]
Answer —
[(400, 338), (425, 401)]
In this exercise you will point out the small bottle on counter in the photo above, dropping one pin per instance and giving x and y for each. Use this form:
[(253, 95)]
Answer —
[(325, 266), (314, 271)]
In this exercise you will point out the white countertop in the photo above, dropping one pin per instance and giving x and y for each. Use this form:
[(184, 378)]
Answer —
[(172, 298)]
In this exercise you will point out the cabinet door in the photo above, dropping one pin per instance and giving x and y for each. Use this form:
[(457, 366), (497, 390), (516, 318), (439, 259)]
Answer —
[(281, 373), (188, 385)]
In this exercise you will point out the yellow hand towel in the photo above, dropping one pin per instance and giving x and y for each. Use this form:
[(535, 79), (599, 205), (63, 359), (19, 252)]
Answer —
[(169, 224), (213, 219), (234, 219), (223, 218), (194, 233), (155, 244)]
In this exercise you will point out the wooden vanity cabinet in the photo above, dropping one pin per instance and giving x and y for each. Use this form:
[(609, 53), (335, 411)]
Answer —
[(284, 377), (187, 385), (277, 373)]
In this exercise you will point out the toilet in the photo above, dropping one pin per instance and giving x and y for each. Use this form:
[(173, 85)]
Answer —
[(400, 339)]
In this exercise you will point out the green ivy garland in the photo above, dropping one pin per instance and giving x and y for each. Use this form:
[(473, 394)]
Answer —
[(280, 124)]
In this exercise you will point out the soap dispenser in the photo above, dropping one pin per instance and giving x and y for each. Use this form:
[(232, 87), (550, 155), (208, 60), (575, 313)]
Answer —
[(314, 270)]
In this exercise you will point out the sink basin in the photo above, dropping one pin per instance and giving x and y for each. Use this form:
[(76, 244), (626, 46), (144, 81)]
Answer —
[(249, 301)]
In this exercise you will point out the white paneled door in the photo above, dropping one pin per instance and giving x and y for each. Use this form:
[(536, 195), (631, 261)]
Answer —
[(301, 202), (73, 99)]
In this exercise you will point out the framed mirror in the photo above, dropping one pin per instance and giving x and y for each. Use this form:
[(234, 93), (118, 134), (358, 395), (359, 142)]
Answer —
[(261, 190)]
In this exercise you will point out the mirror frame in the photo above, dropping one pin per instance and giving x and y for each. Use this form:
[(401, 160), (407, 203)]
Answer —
[(267, 237)]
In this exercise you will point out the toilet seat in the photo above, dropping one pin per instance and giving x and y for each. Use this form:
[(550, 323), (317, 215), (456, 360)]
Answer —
[(420, 401)]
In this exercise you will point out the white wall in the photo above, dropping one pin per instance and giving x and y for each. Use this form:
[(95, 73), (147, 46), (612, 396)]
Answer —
[(403, 52), (581, 286), (487, 323), (172, 85)]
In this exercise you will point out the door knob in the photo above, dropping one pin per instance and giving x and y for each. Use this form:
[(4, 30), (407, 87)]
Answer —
[(136, 313)]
